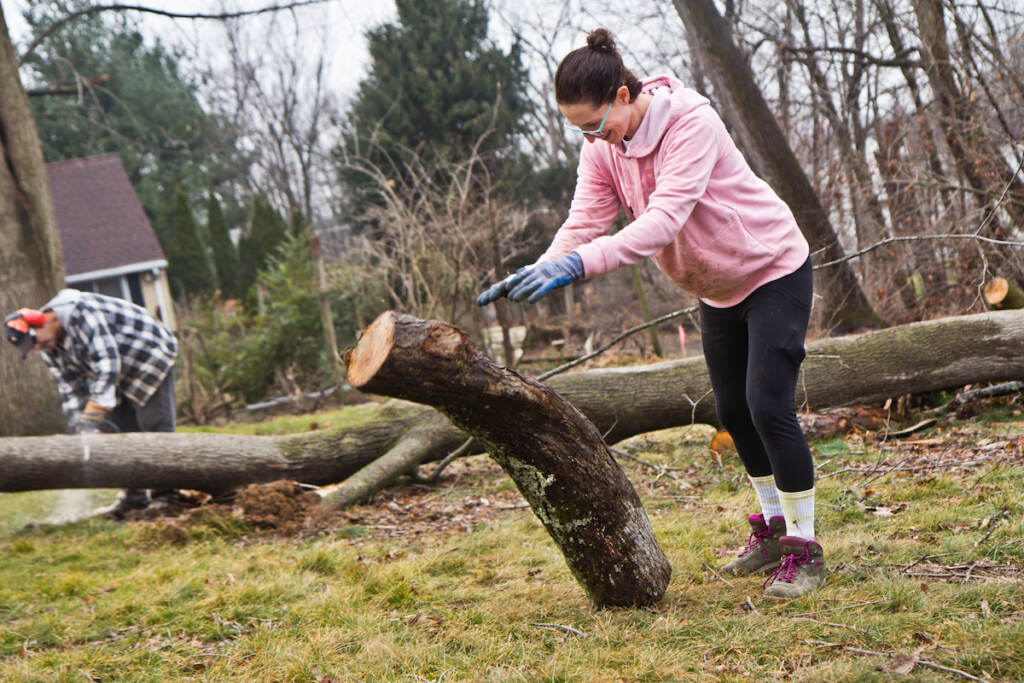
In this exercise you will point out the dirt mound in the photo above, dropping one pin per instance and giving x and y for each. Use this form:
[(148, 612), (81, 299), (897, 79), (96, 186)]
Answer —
[(286, 509), (279, 508), (282, 506)]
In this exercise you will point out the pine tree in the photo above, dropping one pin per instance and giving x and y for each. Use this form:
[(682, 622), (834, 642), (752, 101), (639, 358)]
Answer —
[(225, 255), (188, 265), (436, 86), (266, 231)]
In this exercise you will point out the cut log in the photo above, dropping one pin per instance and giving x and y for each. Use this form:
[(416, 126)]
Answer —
[(908, 359), (554, 454), (1001, 294)]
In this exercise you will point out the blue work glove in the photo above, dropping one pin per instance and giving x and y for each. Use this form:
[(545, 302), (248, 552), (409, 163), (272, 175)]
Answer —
[(542, 278), (500, 289)]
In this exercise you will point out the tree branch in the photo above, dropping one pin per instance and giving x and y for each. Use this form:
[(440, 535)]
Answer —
[(96, 9), (616, 340), (864, 57), (917, 238)]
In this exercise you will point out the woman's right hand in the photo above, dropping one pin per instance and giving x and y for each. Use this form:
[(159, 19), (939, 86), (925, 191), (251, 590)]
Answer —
[(500, 289)]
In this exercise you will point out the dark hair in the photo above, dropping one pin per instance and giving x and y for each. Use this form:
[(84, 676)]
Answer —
[(594, 73)]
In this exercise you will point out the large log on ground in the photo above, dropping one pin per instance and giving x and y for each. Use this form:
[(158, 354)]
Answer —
[(210, 462), (907, 359), (554, 454), (863, 368)]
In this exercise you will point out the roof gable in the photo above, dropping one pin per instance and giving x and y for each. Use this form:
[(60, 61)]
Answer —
[(99, 217)]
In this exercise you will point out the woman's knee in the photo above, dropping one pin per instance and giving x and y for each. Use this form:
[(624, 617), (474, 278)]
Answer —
[(774, 419), (734, 415)]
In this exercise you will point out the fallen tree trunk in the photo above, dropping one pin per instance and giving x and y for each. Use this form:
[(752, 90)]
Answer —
[(908, 359), (554, 454), (211, 462)]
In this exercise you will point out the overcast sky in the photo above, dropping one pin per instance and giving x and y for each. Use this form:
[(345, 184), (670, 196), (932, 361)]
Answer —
[(343, 24)]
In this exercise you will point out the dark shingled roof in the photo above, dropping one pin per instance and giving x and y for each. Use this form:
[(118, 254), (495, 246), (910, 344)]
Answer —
[(99, 217)]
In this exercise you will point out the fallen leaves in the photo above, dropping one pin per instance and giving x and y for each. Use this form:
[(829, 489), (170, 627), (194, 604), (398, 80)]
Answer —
[(904, 663)]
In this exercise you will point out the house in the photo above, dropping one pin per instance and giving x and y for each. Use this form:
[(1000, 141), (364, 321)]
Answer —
[(108, 244)]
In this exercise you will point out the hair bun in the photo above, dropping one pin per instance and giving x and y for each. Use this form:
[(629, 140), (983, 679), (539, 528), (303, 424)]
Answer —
[(601, 40)]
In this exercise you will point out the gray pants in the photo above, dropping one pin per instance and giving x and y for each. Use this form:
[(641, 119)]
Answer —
[(156, 416)]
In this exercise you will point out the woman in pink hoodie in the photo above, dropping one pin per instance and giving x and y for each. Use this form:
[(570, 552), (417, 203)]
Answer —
[(660, 152)]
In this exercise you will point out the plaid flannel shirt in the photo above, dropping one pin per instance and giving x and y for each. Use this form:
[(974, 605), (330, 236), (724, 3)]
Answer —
[(110, 347)]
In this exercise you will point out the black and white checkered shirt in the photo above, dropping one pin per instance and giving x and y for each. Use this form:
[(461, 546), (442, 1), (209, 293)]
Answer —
[(110, 346)]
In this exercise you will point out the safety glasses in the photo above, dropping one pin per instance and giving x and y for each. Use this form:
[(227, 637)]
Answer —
[(597, 132)]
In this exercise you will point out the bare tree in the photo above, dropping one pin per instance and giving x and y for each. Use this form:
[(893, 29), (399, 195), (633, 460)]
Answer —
[(275, 91), (973, 151), (439, 223)]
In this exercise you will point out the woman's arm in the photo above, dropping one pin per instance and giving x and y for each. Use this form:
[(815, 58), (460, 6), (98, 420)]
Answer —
[(595, 204)]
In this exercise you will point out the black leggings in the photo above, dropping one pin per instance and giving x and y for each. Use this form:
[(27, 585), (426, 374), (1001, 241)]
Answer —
[(754, 350)]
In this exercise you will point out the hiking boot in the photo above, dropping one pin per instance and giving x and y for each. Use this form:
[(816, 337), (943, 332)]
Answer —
[(762, 552), (802, 569)]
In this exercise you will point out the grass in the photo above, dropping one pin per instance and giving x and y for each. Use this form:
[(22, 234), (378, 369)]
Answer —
[(98, 600)]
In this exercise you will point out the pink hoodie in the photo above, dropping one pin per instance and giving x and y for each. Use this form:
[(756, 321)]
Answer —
[(698, 210)]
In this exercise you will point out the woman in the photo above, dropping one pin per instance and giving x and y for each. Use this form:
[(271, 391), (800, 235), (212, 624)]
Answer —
[(658, 150)]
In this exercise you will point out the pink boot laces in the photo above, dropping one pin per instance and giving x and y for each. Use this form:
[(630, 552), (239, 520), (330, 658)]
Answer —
[(790, 567), (756, 539)]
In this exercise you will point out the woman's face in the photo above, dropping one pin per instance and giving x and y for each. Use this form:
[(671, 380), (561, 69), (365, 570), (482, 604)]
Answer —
[(604, 121)]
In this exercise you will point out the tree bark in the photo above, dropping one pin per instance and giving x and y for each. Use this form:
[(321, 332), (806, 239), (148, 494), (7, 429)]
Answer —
[(846, 307), (907, 359), (553, 453), (31, 267)]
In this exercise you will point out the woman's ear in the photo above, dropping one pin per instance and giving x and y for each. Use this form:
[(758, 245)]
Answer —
[(622, 95)]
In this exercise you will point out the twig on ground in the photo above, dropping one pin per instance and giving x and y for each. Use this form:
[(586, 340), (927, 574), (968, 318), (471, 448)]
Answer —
[(924, 424), (720, 577), (882, 474), (889, 655), (922, 559), (837, 609), (977, 394), (570, 629), (831, 623), (458, 452), (838, 472), (661, 471), (991, 529)]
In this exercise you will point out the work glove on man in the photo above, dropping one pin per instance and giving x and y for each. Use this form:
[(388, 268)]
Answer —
[(92, 418), (533, 282)]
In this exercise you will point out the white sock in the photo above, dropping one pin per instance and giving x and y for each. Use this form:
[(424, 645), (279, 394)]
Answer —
[(798, 509), (767, 495)]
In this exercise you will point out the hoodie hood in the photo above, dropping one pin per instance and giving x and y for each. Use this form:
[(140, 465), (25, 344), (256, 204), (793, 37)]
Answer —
[(63, 304), (661, 113)]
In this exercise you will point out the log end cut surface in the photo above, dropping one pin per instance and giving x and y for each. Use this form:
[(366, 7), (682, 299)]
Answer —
[(372, 350)]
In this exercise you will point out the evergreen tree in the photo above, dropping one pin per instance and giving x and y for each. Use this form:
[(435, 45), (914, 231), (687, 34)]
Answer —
[(298, 224), (225, 255), (266, 231), (436, 85), (188, 267)]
